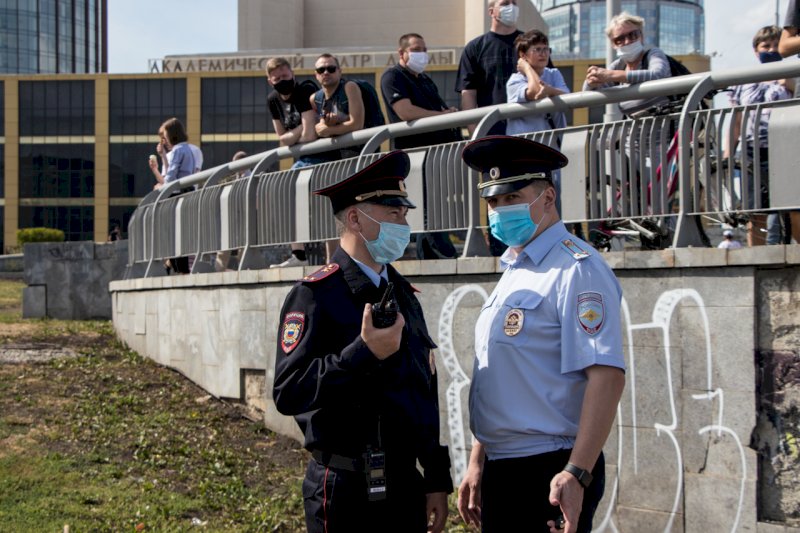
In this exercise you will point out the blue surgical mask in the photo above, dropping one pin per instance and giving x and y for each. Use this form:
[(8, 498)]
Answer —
[(769, 57), (391, 242), (512, 224)]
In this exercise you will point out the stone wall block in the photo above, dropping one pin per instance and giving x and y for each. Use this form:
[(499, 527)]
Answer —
[(728, 347), (650, 473), (645, 520), (713, 504)]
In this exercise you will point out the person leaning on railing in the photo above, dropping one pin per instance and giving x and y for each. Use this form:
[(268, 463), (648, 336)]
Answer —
[(635, 63)]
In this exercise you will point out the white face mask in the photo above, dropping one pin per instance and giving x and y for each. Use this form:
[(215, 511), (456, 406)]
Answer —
[(508, 14), (630, 51), (417, 61)]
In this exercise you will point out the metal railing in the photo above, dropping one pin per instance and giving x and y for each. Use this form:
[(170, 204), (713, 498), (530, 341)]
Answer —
[(613, 173)]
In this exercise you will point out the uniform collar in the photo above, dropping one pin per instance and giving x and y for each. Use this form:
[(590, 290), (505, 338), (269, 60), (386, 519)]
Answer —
[(356, 276), (538, 248), (373, 276)]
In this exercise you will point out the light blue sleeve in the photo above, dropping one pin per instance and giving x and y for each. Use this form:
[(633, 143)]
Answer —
[(590, 308), (554, 78), (515, 89)]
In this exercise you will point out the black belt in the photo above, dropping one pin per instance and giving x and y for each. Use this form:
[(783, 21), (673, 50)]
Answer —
[(353, 464)]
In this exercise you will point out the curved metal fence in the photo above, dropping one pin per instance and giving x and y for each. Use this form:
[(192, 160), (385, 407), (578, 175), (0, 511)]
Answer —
[(668, 166)]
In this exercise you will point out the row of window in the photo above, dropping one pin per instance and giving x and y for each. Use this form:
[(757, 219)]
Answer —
[(139, 107)]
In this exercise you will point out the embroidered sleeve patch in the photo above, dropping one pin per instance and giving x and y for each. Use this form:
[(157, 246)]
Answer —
[(591, 311), (292, 330)]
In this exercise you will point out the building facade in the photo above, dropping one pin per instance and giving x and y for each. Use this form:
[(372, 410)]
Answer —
[(577, 27), (53, 36), (278, 24)]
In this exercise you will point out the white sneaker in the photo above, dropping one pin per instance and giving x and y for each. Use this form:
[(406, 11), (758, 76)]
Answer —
[(293, 261)]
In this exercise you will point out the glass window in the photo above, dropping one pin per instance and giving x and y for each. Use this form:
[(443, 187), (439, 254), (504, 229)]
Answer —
[(77, 222), (219, 153), (120, 215), (56, 170), (139, 107), (56, 107), (235, 105), (129, 170)]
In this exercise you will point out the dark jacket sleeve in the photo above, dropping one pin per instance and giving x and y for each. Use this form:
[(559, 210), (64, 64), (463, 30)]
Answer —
[(308, 374)]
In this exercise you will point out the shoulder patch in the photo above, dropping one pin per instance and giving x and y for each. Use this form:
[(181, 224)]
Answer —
[(292, 330), (322, 273), (590, 311), (572, 248)]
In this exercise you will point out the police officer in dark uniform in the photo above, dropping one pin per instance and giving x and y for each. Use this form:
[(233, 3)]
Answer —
[(365, 397)]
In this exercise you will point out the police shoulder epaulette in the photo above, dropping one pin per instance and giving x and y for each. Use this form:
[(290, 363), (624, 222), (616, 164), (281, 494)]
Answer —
[(322, 273), (572, 248)]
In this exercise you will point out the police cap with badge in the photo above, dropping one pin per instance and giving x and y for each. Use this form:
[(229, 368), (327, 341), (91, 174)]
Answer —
[(508, 164), (378, 183)]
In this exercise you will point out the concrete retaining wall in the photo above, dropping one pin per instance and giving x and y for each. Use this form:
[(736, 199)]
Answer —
[(698, 445), (69, 280)]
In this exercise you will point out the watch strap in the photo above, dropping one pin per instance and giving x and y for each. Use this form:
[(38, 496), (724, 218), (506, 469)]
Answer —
[(584, 477)]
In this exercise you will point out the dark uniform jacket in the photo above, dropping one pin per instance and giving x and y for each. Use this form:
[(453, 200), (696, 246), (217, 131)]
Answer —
[(345, 399)]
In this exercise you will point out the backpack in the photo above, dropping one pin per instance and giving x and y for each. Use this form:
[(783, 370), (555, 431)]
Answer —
[(373, 115), (676, 68)]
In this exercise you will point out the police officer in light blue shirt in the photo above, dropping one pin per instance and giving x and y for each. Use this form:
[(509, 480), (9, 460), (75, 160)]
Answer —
[(549, 367)]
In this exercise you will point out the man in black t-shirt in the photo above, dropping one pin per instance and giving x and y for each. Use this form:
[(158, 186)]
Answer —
[(290, 108), (294, 120), (488, 61), (411, 94)]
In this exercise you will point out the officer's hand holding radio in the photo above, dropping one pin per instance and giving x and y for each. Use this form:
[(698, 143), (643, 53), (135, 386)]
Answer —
[(382, 326)]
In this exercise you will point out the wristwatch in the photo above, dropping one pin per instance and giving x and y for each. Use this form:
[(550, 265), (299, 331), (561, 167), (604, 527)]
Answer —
[(584, 477)]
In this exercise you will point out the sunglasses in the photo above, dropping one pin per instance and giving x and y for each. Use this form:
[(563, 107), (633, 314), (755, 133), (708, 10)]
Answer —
[(626, 37), (330, 69), (540, 50)]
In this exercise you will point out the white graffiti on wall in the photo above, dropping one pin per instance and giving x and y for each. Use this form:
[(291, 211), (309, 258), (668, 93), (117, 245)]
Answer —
[(662, 316)]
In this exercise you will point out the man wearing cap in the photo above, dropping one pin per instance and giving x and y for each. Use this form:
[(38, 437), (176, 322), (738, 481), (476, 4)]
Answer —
[(728, 242), (364, 397), (549, 367)]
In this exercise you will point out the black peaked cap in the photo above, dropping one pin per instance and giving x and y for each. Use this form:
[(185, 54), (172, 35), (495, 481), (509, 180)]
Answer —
[(508, 163), (382, 183)]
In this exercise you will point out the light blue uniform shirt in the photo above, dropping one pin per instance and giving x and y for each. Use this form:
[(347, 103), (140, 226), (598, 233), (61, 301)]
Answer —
[(554, 312)]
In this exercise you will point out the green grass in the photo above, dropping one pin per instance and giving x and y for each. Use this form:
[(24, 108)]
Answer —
[(10, 301)]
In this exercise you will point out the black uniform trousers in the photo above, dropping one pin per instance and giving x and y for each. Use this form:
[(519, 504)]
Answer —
[(515, 493), (335, 501)]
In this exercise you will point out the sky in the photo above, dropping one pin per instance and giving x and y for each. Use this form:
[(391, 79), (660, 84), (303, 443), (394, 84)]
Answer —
[(149, 29)]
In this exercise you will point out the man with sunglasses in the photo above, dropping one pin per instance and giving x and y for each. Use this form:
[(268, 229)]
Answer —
[(635, 63), (342, 106)]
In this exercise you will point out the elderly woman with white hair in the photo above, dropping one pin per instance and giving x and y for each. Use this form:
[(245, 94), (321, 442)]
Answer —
[(635, 63)]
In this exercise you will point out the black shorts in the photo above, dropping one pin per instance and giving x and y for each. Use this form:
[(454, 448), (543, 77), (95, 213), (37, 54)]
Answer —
[(515, 493)]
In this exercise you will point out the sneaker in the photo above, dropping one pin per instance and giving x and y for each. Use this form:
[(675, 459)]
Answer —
[(293, 261)]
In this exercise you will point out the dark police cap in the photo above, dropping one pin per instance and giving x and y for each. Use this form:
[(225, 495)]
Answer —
[(508, 164), (379, 183)]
